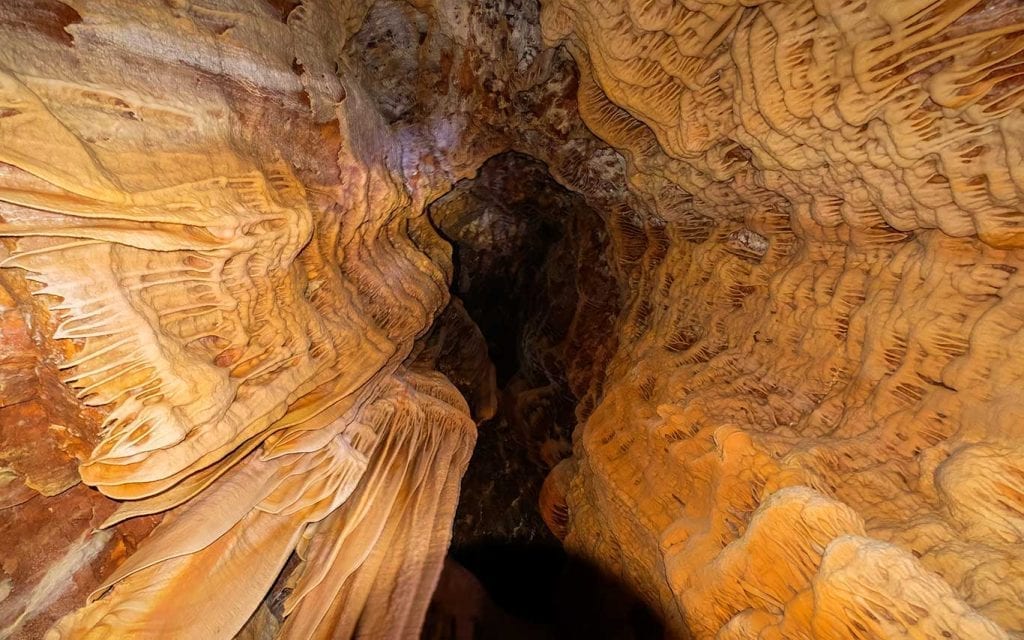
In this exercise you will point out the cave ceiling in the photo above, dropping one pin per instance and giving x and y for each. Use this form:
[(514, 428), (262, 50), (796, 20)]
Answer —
[(794, 235)]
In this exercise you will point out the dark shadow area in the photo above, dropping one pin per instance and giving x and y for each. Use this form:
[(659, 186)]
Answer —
[(515, 241), (522, 579), (529, 261), (576, 600)]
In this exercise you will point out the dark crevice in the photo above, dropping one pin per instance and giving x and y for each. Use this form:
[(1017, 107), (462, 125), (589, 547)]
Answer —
[(524, 251)]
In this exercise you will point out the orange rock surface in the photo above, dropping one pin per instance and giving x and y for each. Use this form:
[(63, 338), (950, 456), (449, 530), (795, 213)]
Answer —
[(811, 429), (220, 281)]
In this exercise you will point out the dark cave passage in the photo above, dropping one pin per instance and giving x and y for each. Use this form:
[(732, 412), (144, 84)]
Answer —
[(526, 252)]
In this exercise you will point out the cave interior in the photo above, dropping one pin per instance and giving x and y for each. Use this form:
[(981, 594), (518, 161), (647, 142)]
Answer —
[(458, 319)]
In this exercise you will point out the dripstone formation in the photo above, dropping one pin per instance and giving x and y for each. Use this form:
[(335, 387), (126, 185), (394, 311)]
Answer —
[(774, 379)]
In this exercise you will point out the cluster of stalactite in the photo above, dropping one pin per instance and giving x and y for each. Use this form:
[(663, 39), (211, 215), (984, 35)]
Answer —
[(798, 394)]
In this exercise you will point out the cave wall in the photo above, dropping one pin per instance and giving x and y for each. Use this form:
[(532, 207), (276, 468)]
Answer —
[(221, 280), (811, 427)]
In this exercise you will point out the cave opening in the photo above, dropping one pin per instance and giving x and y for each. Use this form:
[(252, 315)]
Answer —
[(513, 279), (529, 258)]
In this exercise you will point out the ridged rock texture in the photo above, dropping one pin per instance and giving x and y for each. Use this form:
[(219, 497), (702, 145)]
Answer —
[(799, 379)]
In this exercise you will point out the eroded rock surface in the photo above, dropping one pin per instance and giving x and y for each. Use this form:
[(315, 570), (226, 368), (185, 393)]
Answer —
[(227, 331), (813, 421)]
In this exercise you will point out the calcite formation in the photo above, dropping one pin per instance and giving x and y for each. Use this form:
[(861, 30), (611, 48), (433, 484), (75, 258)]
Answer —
[(225, 309)]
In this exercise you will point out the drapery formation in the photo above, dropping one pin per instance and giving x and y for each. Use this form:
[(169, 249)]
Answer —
[(803, 422)]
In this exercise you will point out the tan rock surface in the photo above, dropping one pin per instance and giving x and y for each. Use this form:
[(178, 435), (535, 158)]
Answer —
[(837, 358), (221, 281)]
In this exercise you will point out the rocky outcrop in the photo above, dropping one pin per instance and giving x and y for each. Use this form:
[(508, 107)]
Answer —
[(225, 306)]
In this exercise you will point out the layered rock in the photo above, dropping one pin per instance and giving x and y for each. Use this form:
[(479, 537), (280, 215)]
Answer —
[(810, 429), (222, 281), (221, 260)]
